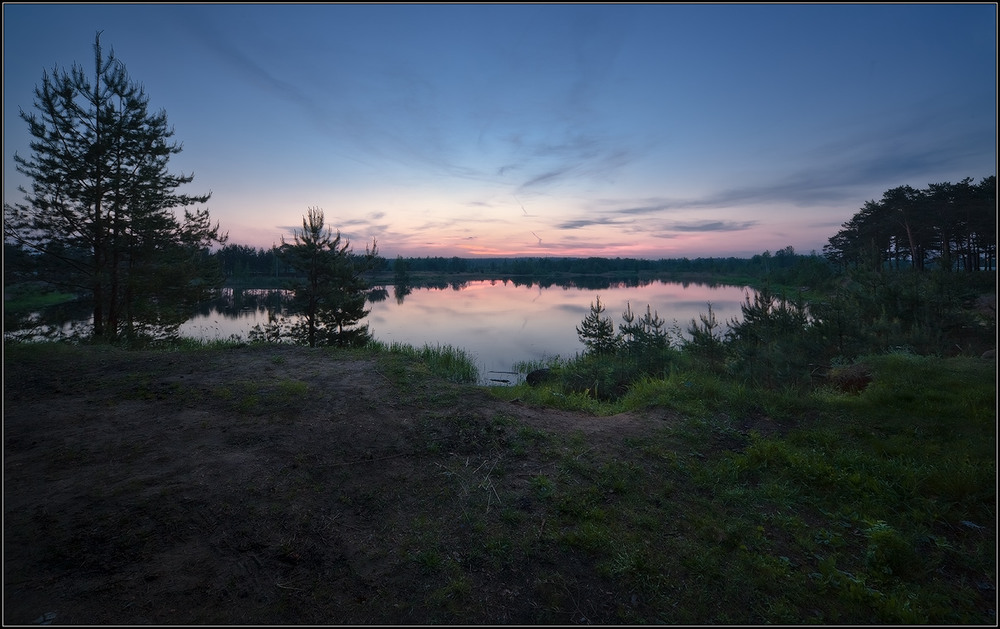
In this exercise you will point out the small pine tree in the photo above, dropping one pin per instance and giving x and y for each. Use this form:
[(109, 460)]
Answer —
[(772, 345), (655, 338), (706, 342), (645, 340), (330, 295), (630, 332), (597, 332), (656, 350)]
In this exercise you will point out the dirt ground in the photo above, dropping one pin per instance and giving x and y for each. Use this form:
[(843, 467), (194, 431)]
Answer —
[(265, 485)]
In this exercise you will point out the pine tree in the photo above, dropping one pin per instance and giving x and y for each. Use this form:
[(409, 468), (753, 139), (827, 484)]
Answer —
[(706, 340), (773, 344), (597, 332), (99, 215), (630, 332), (331, 293), (644, 339)]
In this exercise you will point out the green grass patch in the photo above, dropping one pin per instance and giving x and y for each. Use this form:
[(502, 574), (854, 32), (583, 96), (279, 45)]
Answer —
[(870, 507), (29, 296), (279, 398)]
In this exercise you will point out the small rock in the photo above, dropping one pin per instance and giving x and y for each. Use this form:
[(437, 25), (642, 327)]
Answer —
[(538, 376)]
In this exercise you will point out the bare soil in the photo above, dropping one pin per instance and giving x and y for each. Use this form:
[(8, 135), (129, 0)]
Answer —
[(266, 485)]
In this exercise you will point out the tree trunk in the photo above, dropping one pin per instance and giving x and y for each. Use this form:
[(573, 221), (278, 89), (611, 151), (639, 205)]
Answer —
[(98, 272), (915, 263), (113, 300), (98, 309)]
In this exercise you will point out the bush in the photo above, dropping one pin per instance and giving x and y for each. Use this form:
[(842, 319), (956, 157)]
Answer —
[(774, 344), (601, 377)]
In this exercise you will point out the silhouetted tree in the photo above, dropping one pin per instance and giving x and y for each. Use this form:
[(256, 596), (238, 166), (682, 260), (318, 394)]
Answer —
[(644, 340), (770, 345), (99, 215), (949, 225), (331, 293)]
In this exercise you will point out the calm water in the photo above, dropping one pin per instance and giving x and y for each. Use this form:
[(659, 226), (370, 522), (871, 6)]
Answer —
[(497, 323)]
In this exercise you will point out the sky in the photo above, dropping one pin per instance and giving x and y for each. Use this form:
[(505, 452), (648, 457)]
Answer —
[(643, 130)]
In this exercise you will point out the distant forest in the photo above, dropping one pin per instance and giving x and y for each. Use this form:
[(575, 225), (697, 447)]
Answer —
[(951, 227), (246, 264)]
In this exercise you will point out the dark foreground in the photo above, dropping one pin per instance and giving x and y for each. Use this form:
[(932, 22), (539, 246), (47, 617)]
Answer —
[(283, 485)]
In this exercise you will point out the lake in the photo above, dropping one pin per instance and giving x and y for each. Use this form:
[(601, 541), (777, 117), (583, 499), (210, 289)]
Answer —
[(498, 323)]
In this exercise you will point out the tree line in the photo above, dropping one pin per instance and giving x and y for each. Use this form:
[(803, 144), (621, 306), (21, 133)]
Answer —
[(781, 341), (945, 225), (913, 272), (784, 266)]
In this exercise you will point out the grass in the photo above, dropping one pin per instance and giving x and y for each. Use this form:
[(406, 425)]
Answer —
[(29, 296), (282, 397), (747, 507), (848, 508), (448, 362)]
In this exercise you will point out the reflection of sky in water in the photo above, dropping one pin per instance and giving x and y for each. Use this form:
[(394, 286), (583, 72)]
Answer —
[(501, 324)]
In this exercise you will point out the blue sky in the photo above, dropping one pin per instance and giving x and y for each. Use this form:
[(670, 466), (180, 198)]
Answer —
[(655, 131)]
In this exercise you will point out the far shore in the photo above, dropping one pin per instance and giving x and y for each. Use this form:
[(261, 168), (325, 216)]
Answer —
[(431, 279)]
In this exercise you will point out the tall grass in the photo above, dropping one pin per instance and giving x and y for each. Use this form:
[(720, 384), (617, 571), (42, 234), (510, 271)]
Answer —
[(445, 361)]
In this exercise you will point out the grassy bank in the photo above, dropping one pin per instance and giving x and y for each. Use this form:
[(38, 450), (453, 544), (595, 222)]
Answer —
[(728, 505), (831, 507)]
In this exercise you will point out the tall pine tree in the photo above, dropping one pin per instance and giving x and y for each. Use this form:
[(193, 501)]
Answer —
[(100, 212)]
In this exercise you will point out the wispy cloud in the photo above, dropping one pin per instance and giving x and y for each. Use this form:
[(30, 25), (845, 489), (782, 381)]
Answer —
[(581, 223), (712, 226), (397, 111), (843, 171), (599, 159)]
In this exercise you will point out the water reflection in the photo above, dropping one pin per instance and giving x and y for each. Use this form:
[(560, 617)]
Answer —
[(498, 322), (59, 321), (400, 291), (235, 312), (502, 323)]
